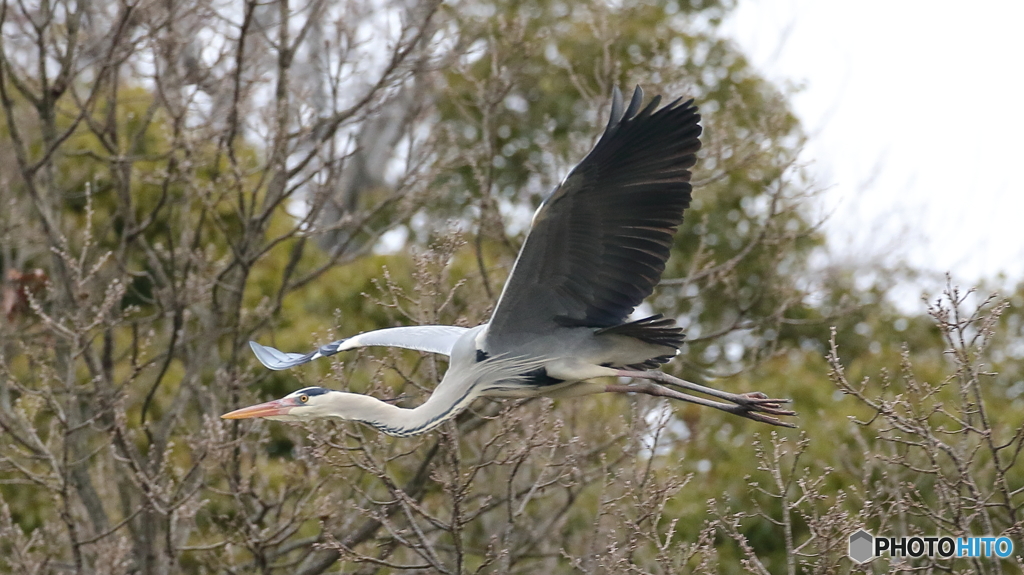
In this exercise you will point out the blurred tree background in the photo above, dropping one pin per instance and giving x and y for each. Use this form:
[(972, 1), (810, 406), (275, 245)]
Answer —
[(177, 178)]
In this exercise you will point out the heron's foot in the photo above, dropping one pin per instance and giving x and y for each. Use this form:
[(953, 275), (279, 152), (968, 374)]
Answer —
[(759, 402), (764, 415), (759, 407)]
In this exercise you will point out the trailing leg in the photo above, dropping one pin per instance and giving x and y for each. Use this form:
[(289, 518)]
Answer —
[(656, 390), (754, 402)]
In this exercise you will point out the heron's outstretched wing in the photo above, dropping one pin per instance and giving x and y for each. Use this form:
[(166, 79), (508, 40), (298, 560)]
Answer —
[(599, 242), (432, 338)]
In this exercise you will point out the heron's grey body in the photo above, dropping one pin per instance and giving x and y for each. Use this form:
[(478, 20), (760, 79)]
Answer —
[(556, 364), (597, 247)]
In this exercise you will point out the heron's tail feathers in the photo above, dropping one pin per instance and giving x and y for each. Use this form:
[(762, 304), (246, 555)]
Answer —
[(655, 330)]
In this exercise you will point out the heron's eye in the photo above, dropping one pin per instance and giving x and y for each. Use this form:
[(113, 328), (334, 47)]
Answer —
[(303, 398)]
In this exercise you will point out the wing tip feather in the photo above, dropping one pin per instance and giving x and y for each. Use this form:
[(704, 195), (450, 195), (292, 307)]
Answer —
[(276, 359)]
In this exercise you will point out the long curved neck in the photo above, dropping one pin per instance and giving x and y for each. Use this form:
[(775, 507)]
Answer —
[(445, 403), (465, 380)]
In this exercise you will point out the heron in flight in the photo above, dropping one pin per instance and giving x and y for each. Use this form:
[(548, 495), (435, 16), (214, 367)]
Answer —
[(596, 248)]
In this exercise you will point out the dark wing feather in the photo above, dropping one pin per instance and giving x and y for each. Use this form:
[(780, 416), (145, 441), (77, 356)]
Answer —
[(599, 242)]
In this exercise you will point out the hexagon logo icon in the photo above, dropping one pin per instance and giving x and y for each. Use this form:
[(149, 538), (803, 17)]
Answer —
[(861, 543)]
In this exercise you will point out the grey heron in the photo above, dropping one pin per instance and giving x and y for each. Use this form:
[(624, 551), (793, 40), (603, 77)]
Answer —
[(596, 248)]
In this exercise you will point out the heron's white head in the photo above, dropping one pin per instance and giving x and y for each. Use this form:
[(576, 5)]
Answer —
[(307, 403)]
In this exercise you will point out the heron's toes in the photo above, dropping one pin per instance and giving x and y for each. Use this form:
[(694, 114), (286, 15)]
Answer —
[(756, 402), (773, 410), (768, 419), (762, 414), (757, 397)]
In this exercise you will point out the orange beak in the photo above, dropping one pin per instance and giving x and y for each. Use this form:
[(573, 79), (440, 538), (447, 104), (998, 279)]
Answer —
[(268, 409)]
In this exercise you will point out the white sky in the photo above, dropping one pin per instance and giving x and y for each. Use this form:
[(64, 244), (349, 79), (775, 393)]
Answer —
[(916, 123)]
